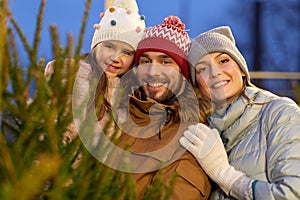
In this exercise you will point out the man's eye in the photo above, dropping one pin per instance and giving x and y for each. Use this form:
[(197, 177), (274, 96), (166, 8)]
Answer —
[(166, 62), (144, 61)]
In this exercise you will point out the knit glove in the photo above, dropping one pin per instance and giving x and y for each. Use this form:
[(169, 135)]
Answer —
[(207, 147)]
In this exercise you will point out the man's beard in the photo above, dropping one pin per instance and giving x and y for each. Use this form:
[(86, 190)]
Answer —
[(167, 97)]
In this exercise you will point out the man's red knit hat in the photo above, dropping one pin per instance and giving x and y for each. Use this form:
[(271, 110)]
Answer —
[(170, 38)]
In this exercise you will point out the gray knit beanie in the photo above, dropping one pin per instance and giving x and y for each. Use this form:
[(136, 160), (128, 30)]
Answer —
[(219, 39)]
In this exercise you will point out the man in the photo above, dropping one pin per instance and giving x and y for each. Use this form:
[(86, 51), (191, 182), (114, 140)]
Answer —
[(160, 108)]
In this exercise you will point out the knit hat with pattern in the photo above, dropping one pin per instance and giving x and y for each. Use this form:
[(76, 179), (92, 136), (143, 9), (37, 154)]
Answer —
[(122, 22), (219, 39), (170, 38)]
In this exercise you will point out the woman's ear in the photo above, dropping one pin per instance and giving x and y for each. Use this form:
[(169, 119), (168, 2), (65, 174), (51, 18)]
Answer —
[(243, 73)]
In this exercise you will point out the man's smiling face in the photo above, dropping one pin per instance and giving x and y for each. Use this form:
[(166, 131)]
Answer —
[(159, 75)]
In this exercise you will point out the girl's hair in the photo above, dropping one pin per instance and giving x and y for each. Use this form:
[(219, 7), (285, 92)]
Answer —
[(99, 102)]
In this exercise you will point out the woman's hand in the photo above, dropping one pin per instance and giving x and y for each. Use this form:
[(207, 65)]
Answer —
[(207, 147)]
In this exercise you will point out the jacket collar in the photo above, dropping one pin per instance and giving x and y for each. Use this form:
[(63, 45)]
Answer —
[(225, 117), (236, 117)]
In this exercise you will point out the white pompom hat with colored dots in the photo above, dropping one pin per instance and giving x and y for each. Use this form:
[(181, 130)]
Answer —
[(122, 22)]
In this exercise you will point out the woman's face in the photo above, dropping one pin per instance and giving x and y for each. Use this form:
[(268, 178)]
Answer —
[(114, 57), (220, 76)]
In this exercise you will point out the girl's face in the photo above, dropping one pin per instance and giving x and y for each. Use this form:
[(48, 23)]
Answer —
[(114, 57), (220, 76)]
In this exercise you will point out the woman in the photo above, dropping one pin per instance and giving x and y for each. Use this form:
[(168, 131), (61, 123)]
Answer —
[(251, 147)]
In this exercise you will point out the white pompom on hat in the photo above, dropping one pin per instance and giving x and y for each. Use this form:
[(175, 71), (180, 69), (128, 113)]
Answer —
[(219, 39), (122, 22)]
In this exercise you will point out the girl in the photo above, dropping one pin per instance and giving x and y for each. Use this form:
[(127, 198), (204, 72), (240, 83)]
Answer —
[(113, 47)]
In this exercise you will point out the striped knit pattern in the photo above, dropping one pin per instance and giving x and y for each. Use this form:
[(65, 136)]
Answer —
[(169, 37), (172, 33)]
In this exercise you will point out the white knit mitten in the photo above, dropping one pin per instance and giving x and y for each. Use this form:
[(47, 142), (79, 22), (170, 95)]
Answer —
[(207, 147)]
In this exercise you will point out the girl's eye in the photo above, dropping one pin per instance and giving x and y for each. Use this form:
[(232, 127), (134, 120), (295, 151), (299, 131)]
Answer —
[(128, 53), (108, 46)]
